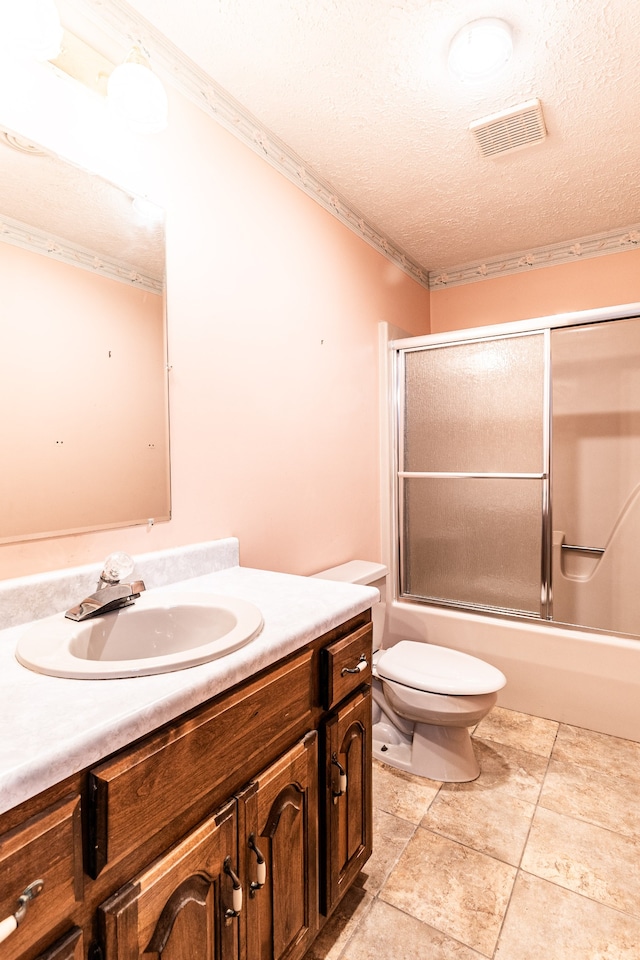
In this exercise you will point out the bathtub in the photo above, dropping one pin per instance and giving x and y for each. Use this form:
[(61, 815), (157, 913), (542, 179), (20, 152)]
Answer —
[(584, 679)]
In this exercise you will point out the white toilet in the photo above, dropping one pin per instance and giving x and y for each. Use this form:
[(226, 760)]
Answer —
[(425, 696)]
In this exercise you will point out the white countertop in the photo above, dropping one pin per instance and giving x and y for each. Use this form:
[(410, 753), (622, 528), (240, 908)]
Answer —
[(52, 727)]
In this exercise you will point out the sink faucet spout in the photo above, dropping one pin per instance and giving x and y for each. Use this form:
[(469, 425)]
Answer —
[(110, 593)]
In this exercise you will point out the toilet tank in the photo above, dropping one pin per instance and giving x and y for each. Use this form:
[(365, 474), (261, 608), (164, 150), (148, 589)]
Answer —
[(371, 574)]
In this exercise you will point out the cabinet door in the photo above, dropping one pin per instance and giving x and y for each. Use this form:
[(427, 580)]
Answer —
[(68, 947), (278, 824), (169, 775), (177, 908), (47, 847), (348, 795)]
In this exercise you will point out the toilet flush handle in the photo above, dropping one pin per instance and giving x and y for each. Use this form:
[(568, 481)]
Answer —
[(359, 667), (342, 778)]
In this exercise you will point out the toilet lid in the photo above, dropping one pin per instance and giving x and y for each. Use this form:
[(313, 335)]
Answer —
[(425, 666)]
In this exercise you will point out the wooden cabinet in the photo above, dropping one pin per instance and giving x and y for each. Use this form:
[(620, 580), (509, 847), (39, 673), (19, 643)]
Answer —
[(196, 763), (263, 843), (347, 763), (181, 907), (347, 795), (47, 848), (278, 815), (69, 947), (345, 666), (230, 833)]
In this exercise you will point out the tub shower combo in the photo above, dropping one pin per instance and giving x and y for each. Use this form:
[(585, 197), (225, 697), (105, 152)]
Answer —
[(516, 502)]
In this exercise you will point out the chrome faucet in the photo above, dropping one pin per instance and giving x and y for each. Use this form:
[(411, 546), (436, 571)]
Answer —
[(110, 593)]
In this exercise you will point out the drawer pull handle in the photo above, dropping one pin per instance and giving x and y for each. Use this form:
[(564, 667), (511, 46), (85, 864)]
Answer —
[(237, 890), (9, 924), (342, 778), (359, 667), (261, 871)]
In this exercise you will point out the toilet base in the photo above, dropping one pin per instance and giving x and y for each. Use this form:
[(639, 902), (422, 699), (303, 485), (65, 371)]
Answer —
[(437, 752)]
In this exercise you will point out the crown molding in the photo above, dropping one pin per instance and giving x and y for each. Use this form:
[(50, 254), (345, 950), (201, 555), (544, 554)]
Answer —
[(124, 24), (616, 241), (118, 19), (38, 241)]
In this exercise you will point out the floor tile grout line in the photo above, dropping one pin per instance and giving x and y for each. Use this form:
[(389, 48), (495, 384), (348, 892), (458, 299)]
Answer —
[(518, 866), (357, 926), (587, 768), (620, 778), (412, 916), (583, 896), (591, 823), (388, 872)]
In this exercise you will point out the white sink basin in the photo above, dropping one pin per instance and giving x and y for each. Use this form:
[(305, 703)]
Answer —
[(159, 633)]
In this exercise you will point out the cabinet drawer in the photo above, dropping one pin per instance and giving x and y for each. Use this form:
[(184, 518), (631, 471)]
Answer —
[(153, 784), (346, 664), (47, 847)]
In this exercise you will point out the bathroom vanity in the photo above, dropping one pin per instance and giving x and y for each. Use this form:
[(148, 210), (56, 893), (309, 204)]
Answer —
[(230, 830)]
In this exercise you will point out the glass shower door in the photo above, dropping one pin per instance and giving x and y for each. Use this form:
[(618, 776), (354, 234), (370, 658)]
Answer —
[(473, 473)]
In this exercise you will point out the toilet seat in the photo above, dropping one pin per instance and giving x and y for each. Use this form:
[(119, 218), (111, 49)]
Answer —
[(434, 669)]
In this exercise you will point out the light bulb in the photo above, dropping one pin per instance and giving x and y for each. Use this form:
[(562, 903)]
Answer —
[(30, 28), (480, 49), (137, 95), (147, 210)]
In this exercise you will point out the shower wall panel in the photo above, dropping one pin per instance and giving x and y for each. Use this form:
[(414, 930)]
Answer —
[(596, 474)]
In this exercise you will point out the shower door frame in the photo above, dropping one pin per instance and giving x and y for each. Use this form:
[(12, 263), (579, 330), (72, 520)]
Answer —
[(398, 349)]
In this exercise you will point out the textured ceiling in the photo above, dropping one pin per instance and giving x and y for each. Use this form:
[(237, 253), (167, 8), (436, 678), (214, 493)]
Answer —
[(360, 91)]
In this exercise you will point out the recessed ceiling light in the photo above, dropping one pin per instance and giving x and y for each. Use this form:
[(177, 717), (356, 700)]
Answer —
[(480, 49)]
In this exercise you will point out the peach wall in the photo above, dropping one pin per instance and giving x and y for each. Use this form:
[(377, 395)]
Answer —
[(584, 285), (273, 310)]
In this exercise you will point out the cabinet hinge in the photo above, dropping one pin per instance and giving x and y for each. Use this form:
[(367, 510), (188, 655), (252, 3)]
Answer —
[(95, 951)]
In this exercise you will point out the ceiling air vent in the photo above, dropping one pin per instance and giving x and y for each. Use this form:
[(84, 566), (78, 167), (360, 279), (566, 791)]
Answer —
[(509, 130)]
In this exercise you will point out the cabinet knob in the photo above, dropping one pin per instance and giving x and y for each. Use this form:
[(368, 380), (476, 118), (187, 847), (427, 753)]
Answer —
[(11, 923), (359, 667)]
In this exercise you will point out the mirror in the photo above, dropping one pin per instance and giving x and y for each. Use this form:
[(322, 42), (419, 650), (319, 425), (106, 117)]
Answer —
[(83, 364)]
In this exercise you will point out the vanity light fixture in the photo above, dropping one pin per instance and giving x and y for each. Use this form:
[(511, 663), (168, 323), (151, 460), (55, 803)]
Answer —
[(136, 93), (480, 49), (133, 91), (30, 28), (148, 211)]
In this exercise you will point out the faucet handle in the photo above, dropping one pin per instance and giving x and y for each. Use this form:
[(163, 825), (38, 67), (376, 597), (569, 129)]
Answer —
[(117, 567)]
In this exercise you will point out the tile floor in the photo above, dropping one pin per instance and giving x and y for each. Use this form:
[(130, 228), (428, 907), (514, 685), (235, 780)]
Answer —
[(538, 859)]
